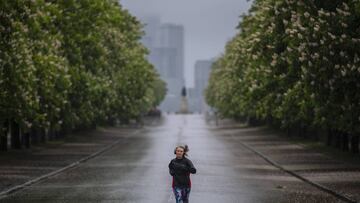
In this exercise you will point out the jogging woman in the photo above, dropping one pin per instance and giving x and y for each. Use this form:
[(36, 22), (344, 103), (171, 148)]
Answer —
[(180, 169)]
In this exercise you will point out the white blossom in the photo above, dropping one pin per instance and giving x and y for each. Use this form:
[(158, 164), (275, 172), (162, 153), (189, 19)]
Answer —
[(273, 62), (302, 58), (307, 14), (317, 28), (300, 36)]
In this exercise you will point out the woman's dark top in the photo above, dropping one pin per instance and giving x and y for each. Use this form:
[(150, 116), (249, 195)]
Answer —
[(180, 169)]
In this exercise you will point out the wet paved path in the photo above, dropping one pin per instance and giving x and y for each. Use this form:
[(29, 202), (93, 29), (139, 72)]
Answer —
[(136, 170)]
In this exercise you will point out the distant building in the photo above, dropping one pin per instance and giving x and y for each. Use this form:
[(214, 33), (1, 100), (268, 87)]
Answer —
[(164, 60), (151, 28), (172, 36), (202, 73), (193, 100), (166, 45), (201, 77)]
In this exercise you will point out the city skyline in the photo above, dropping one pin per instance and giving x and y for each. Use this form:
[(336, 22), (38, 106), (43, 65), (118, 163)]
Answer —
[(165, 42), (207, 28)]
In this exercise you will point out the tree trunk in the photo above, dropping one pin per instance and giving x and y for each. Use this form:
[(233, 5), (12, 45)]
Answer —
[(51, 134), (93, 125), (355, 144), (337, 139), (304, 132), (27, 139), (329, 137), (345, 141), (3, 143), (298, 130), (3, 136), (288, 132), (15, 136), (252, 121), (34, 136), (58, 134), (315, 134), (42, 134), (64, 131)]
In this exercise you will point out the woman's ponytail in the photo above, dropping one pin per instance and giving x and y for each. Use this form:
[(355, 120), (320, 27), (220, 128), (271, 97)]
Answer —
[(186, 148)]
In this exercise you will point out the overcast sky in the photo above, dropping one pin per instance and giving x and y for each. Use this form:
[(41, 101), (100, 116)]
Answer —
[(209, 24)]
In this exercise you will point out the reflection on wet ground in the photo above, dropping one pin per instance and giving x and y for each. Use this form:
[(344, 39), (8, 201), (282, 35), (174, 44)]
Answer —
[(136, 170)]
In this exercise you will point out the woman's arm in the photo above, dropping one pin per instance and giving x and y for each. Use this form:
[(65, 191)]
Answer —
[(192, 169), (171, 169)]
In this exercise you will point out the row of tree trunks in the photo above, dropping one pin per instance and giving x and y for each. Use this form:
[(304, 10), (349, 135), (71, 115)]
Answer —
[(343, 141), (20, 138), (252, 121)]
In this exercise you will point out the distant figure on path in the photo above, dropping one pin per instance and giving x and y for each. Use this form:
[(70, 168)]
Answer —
[(180, 169)]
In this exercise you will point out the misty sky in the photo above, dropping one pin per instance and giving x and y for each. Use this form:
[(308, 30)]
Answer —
[(209, 24)]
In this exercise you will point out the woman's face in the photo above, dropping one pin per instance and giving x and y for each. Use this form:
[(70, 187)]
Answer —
[(179, 152)]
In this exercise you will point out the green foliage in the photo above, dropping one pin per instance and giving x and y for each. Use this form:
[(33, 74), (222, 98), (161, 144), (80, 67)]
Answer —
[(293, 63), (73, 64)]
